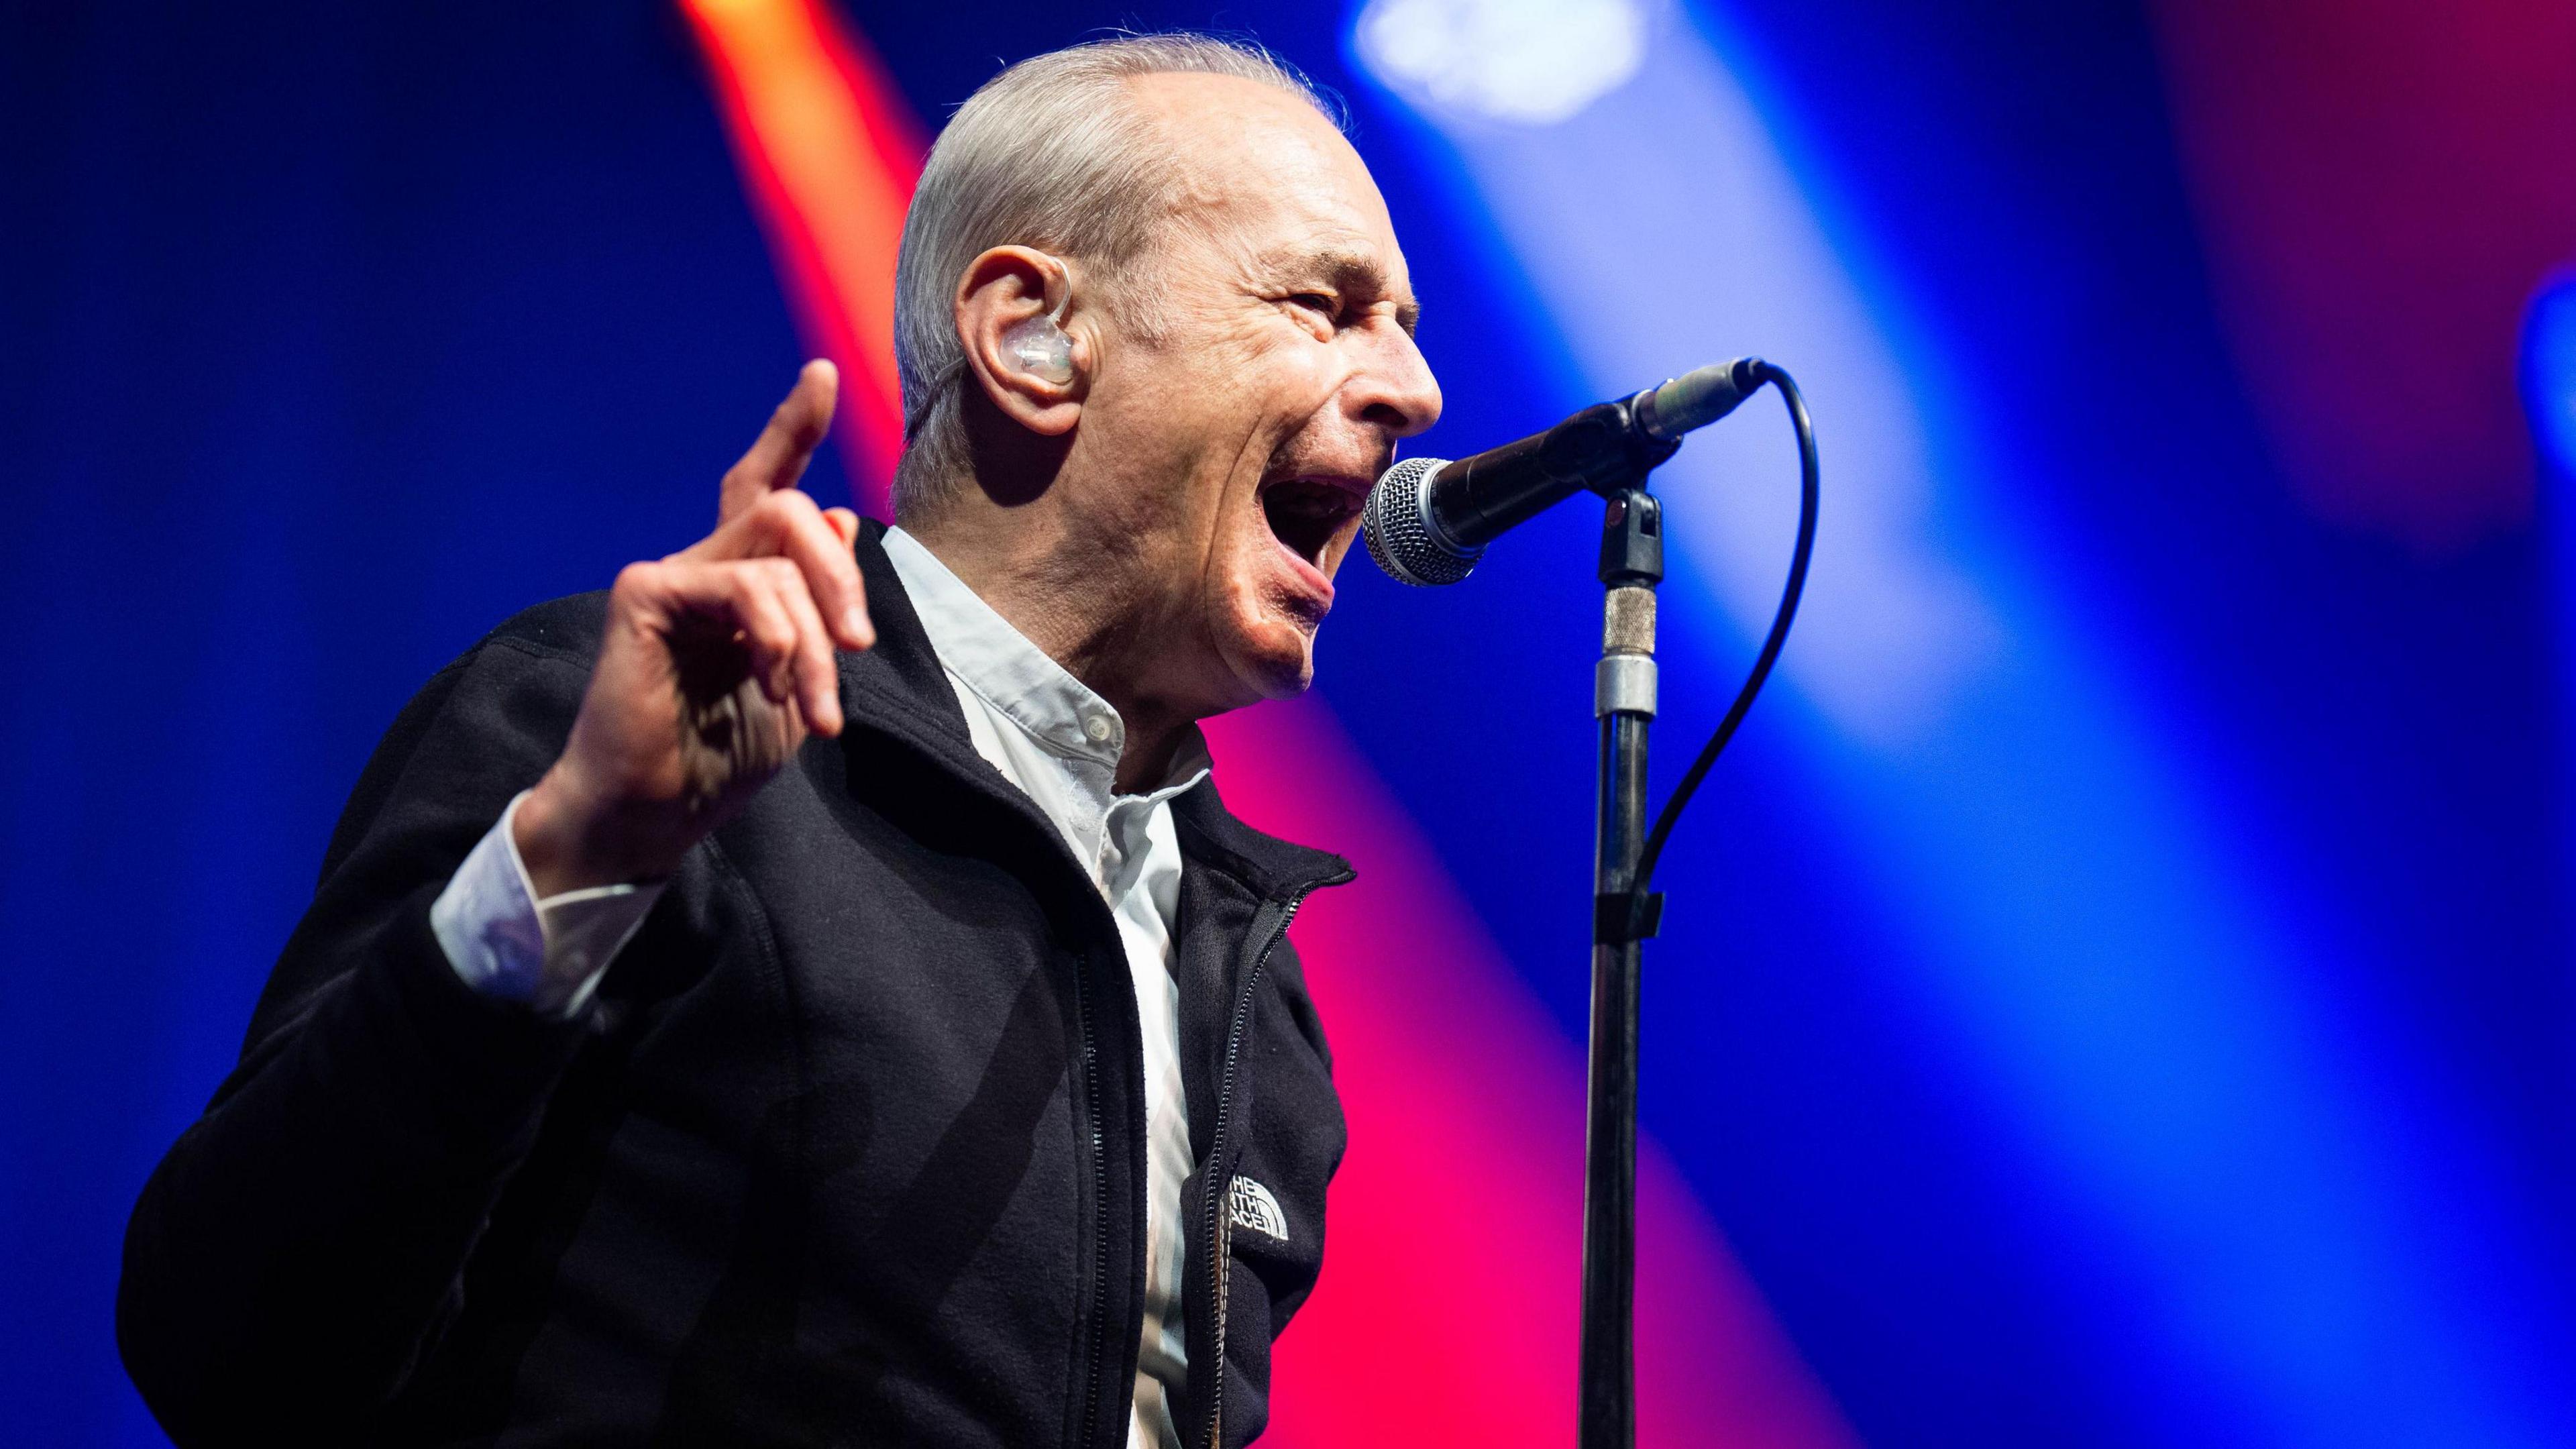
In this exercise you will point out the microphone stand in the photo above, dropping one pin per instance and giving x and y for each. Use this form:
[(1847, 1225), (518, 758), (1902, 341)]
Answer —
[(1428, 521), (1623, 699), (1427, 526)]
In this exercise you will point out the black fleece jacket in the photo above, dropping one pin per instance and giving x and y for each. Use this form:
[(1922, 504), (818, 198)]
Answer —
[(849, 1148)]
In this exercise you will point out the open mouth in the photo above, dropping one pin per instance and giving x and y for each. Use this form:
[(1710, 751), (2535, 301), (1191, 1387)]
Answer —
[(1305, 513)]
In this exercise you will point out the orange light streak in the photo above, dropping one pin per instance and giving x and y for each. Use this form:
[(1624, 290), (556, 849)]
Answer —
[(831, 165)]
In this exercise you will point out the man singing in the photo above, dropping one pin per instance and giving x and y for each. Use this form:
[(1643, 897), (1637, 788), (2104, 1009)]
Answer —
[(812, 993)]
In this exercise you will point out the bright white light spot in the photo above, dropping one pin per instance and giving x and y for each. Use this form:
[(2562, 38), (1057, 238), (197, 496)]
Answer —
[(1535, 62)]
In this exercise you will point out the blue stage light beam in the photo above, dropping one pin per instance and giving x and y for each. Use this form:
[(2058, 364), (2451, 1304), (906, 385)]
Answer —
[(2549, 394), (2549, 373), (2323, 1246)]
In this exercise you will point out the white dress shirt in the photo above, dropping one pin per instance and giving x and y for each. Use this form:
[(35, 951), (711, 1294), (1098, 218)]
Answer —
[(1045, 732)]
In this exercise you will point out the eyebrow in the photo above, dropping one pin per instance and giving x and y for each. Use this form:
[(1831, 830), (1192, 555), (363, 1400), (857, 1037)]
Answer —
[(1351, 271)]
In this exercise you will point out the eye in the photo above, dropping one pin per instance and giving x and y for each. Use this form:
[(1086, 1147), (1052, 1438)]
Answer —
[(1322, 304)]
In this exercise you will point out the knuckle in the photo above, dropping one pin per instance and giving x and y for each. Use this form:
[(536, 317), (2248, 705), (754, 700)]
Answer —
[(746, 583)]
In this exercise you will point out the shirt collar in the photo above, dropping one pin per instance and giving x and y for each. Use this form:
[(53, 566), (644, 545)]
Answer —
[(1190, 764), (998, 663)]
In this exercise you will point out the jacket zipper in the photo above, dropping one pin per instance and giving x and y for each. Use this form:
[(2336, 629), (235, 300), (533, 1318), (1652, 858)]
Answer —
[(1218, 1192), (1099, 1207)]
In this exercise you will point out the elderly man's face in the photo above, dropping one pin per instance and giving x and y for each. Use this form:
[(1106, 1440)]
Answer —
[(1236, 447)]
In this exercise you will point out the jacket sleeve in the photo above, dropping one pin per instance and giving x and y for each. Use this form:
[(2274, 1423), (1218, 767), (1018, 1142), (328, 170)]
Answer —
[(297, 1252)]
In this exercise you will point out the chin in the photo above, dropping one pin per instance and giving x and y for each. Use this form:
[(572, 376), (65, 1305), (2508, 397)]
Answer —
[(1273, 660)]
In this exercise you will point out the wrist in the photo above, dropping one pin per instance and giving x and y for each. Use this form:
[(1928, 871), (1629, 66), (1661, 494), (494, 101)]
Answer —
[(568, 840)]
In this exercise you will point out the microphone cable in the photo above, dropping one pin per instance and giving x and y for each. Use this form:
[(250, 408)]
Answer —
[(1780, 621)]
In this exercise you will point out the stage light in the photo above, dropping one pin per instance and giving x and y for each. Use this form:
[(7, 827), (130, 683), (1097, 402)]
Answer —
[(1529, 61)]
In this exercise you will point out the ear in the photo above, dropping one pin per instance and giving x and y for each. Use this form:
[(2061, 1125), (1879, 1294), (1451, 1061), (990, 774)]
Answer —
[(1014, 287)]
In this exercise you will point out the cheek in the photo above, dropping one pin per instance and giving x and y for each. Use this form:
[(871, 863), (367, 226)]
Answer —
[(1309, 375), (1275, 374)]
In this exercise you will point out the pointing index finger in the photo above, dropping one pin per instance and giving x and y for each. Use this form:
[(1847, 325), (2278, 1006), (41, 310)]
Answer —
[(778, 456)]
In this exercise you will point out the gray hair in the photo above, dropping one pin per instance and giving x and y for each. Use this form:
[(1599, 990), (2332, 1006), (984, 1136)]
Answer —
[(1049, 154)]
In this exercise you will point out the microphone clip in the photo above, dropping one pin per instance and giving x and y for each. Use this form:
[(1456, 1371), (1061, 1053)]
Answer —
[(1619, 917), (1607, 447)]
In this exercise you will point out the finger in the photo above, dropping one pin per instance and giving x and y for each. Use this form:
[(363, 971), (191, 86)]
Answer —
[(845, 523), (821, 552), (778, 456), (818, 674), (768, 628), (788, 525), (741, 597)]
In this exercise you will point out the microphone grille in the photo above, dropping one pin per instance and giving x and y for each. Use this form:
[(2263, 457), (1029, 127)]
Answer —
[(1401, 535)]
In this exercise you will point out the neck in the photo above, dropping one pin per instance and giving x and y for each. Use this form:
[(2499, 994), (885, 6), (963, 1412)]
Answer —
[(1084, 610)]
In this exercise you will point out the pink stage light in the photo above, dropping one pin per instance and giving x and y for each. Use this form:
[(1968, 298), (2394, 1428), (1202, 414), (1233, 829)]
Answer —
[(1447, 1311)]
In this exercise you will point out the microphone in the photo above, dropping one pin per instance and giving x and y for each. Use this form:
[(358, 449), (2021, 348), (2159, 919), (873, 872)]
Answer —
[(1428, 519)]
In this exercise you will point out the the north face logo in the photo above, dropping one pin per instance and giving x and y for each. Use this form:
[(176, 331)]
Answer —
[(1249, 1205)]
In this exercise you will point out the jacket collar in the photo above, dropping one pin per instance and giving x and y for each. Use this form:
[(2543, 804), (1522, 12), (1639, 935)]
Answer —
[(901, 675), (1272, 867), (900, 687)]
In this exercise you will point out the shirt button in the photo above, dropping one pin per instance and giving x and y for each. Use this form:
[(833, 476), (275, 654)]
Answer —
[(1095, 728)]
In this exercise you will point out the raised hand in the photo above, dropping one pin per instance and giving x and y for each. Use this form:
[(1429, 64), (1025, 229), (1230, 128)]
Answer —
[(716, 664)]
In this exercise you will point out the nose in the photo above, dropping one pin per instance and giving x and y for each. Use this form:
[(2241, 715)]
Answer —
[(1393, 389)]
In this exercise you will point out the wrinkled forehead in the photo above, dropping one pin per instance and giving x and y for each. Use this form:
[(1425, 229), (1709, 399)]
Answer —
[(1262, 176)]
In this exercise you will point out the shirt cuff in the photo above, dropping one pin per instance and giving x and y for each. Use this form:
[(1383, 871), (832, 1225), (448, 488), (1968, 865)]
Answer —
[(546, 954)]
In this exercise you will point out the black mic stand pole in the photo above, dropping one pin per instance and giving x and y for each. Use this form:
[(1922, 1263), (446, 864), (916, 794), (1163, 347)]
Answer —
[(1623, 699)]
